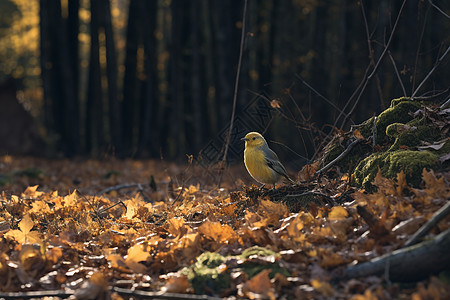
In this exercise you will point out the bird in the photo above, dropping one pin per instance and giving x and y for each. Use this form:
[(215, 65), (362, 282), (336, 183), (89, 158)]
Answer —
[(261, 162)]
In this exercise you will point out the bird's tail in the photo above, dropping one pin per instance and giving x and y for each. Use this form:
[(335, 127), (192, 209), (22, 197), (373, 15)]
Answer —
[(290, 180)]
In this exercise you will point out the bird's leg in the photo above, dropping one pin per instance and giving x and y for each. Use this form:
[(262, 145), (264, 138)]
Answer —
[(261, 187), (273, 189)]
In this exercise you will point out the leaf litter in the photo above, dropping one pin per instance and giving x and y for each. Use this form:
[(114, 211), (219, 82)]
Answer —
[(188, 237)]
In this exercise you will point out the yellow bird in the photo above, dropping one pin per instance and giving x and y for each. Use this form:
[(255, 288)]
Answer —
[(261, 162)]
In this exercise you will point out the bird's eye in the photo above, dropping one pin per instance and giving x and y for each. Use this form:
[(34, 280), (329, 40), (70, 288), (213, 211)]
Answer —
[(254, 138)]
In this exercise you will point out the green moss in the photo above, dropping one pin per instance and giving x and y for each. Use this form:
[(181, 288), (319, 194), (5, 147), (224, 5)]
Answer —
[(253, 268), (398, 112), (205, 273), (257, 250), (366, 128), (392, 163), (208, 271)]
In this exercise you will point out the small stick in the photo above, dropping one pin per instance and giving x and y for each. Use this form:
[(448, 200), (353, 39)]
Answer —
[(331, 163), (120, 187), (436, 218)]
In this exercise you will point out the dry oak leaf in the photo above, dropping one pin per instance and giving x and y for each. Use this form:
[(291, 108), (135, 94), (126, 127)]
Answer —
[(271, 213), (24, 234), (218, 232)]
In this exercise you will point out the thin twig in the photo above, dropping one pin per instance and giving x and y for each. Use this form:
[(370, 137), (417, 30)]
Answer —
[(320, 95), (418, 49), (92, 206), (436, 218), (120, 187), (371, 54), (36, 294), (161, 295), (440, 10), (341, 156), (236, 88), (397, 73), (377, 66), (431, 72)]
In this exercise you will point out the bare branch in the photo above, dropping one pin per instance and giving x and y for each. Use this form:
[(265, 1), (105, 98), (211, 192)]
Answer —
[(431, 72), (236, 88)]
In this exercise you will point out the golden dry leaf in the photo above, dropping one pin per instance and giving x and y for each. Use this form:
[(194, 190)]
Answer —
[(218, 232), (24, 234), (54, 254), (251, 218), (193, 189), (189, 245), (229, 209), (294, 229), (31, 192), (178, 284), (176, 227), (401, 183), (71, 199), (133, 205), (275, 103), (116, 261), (337, 213), (30, 257), (258, 286), (308, 171), (340, 227), (135, 255), (368, 295), (384, 185), (434, 186), (331, 259), (271, 213), (358, 134), (323, 287)]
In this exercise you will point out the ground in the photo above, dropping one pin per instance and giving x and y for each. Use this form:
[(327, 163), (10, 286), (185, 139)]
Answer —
[(178, 232)]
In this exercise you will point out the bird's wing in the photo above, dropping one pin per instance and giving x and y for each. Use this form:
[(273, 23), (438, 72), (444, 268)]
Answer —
[(274, 163)]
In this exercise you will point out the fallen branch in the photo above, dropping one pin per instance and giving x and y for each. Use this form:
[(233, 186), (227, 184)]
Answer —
[(141, 294), (120, 187), (407, 264), (436, 218), (341, 156)]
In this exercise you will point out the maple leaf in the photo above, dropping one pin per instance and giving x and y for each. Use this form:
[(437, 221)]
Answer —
[(24, 234)]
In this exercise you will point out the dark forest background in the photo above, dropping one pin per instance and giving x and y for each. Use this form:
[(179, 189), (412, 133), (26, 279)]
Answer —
[(156, 78)]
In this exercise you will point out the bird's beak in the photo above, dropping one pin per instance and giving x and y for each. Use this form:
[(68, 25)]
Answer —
[(244, 139)]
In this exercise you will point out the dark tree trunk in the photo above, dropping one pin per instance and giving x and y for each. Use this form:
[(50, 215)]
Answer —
[(115, 119), (94, 108), (149, 95)]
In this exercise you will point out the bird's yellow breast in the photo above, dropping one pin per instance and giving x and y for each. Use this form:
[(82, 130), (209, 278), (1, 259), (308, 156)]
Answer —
[(256, 165)]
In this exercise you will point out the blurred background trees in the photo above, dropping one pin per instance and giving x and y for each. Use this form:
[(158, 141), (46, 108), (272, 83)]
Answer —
[(155, 78)]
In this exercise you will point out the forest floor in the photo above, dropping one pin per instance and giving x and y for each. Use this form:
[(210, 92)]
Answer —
[(176, 234)]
